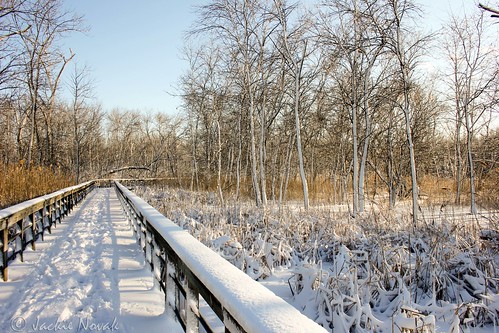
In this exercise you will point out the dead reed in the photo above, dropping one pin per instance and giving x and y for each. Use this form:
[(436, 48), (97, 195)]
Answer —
[(18, 183)]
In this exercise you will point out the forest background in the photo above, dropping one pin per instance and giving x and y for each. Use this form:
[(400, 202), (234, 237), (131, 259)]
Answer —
[(325, 103)]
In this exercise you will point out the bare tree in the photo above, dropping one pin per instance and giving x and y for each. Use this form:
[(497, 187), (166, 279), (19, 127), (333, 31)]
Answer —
[(53, 70), (47, 23), (241, 28), (356, 52), (474, 73), (406, 46), (9, 33), (294, 49), (84, 116)]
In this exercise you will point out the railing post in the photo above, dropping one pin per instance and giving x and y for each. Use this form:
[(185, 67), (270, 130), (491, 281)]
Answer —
[(63, 207), (48, 216), (5, 249), (150, 248), (143, 235), (171, 289), (70, 202), (32, 218), (22, 239), (191, 309), (57, 209), (136, 224), (231, 325)]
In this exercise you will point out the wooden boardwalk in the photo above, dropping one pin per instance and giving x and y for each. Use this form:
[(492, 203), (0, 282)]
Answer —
[(88, 275), (116, 264)]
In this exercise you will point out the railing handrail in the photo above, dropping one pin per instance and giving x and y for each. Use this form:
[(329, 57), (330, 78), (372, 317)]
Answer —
[(8, 214), (22, 223), (241, 303)]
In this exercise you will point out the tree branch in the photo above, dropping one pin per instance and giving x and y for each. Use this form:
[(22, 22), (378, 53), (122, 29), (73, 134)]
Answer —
[(495, 12)]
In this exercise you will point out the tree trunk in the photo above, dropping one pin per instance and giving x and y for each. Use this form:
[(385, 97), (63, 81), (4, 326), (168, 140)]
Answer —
[(355, 160), (194, 175), (363, 162), (254, 177), (239, 155), (285, 180), (412, 160), (469, 136), (459, 162), (298, 136), (355, 143), (219, 171), (32, 124), (262, 149)]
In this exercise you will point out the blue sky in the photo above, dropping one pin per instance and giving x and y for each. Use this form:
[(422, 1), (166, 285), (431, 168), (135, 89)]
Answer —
[(133, 50), (133, 47)]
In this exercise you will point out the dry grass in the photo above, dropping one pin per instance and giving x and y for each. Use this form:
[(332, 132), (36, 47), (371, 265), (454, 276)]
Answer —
[(488, 190), (434, 191), (438, 191), (18, 184)]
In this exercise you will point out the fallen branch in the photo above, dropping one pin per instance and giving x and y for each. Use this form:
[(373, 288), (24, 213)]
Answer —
[(495, 12), (127, 168)]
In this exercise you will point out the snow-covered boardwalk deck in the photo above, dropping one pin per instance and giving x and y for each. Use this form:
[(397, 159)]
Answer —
[(88, 275)]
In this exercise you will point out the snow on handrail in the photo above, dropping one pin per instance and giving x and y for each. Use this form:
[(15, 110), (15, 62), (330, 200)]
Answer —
[(23, 223), (9, 211), (241, 303)]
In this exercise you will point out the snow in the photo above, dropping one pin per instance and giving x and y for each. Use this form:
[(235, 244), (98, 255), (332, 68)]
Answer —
[(88, 275), (355, 275), (255, 307), (26, 204)]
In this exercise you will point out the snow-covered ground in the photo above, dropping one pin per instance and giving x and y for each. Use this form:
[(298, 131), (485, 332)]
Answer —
[(89, 275), (375, 273)]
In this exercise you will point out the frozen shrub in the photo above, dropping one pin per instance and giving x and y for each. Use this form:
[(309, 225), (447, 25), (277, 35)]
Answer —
[(349, 273)]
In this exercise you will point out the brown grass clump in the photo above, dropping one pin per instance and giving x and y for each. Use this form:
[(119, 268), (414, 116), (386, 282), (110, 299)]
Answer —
[(488, 190), (438, 190), (18, 183)]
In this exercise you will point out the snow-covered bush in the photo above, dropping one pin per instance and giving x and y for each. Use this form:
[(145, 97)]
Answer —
[(348, 274)]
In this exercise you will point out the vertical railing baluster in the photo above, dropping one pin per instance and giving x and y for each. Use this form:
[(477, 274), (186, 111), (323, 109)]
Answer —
[(143, 236), (20, 239), (58, 214), (147, 246), (171, 289), (32, 218), (5, 255), (191, 308), (47, 217)]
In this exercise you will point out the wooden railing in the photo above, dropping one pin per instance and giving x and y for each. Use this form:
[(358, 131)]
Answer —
[(190, 273), (109, 182), (22, 224)]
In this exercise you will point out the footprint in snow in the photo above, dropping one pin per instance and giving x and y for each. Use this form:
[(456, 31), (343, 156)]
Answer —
[(65, 245)]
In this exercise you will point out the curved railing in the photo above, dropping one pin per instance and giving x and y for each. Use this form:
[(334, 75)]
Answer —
[(22, 224), (190, 273)]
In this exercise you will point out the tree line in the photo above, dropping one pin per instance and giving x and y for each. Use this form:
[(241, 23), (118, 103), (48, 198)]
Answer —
[(338, 90), (334, 96)]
